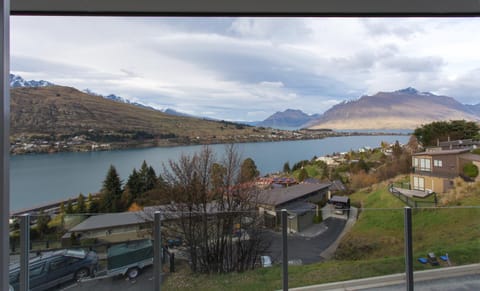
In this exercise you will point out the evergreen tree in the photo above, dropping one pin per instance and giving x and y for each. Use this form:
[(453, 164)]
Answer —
[(248, 171), (111, 191), (62, 208), (69, 208), (134, 184), (286, 167), (93, 206), (150, 179), (81, 207)]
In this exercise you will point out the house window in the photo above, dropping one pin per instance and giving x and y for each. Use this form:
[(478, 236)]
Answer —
[(418, 183), (422, 164), (437, 163)]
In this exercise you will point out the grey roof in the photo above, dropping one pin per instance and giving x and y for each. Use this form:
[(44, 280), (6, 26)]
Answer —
[(471, 157), (341, 199), (300, 207), (443, 152), (279, 196), (111, 220), (337, 185)]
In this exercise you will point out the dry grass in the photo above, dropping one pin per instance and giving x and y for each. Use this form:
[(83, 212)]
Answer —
[(461, 194)]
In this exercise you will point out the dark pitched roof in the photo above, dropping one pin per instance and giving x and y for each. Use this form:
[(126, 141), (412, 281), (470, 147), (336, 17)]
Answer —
[(341, 199), (279, 196), (111, 220)]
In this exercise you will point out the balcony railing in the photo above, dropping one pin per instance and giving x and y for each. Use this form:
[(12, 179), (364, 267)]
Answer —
[(347, 245)]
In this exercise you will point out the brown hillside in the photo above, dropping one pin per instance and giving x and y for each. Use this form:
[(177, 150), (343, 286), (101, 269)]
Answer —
[(405, 109), (58, 110)]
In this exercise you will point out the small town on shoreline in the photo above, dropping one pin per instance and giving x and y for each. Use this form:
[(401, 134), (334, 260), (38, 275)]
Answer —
[(83, 143)]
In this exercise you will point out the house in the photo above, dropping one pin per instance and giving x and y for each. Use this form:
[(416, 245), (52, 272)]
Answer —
[(458, 144), (110, 228), (300, 201), (435, 169)]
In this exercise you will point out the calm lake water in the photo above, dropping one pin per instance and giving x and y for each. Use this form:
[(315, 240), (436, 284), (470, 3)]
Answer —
[(43, 178)]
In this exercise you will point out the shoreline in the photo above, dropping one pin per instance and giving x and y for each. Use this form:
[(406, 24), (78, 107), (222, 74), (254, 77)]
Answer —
[(173, 143)]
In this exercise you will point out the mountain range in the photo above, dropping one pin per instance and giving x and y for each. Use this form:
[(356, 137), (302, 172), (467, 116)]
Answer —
[(289, 118), (402, 109)]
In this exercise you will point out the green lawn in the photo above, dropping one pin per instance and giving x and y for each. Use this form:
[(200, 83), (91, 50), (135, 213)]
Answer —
[(373, 247)]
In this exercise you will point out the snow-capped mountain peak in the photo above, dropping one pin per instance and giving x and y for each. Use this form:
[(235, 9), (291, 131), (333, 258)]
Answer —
[(17, 82)]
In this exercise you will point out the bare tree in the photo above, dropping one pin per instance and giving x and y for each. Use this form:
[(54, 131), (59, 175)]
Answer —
[(214, 213)]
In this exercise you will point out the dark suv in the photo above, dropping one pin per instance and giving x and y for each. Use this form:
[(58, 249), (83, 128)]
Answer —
[(54, 268)]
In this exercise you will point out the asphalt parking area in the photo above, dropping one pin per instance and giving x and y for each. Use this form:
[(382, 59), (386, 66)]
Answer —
[(306, 250)]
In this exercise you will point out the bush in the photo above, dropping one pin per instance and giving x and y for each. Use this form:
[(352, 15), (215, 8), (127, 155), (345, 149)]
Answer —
[(470, 170)]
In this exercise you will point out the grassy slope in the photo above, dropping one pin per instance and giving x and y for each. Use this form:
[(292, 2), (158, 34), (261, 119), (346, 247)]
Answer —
[(373, 247)]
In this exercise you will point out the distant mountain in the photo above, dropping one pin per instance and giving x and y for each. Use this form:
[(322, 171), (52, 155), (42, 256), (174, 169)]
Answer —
[(474, 109), (289, 118), (18, 82), (402, 109), (120, 99), (176, 113)]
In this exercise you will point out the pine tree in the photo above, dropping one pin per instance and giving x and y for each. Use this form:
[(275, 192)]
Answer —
[(111, 191), (81, 207), (286, 167), (69, 208), (134, 184), (93, 206)]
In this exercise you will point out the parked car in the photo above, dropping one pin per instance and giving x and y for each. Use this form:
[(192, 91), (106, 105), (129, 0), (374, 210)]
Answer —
[(54, 268)]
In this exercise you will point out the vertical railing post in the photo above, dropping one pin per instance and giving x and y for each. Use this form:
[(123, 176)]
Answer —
[(284, 250), (4, 141), (408, 249), (157, 252), (24, 252)]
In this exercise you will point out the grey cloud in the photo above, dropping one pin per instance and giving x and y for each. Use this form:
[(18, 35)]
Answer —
[(392, 26), (273, 29), (54, 70), (414, 64)]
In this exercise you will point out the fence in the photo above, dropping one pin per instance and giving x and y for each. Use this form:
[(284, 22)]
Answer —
[(413, 202)]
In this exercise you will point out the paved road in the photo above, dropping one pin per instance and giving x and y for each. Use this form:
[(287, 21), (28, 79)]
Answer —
[(461, 283), (307, 249)]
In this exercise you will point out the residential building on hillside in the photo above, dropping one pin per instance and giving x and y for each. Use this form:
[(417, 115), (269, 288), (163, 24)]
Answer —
[(110, 228), (300, 201), (435, 169)]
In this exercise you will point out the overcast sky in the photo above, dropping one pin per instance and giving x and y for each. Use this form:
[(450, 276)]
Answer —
[(249, 68)]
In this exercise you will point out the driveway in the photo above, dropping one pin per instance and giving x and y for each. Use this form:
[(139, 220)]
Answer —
[(307, 248)]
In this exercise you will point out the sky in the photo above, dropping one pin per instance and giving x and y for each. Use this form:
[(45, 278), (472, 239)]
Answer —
[(246, 69)]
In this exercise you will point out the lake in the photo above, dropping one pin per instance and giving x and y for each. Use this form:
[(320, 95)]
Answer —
[(42, 178)]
